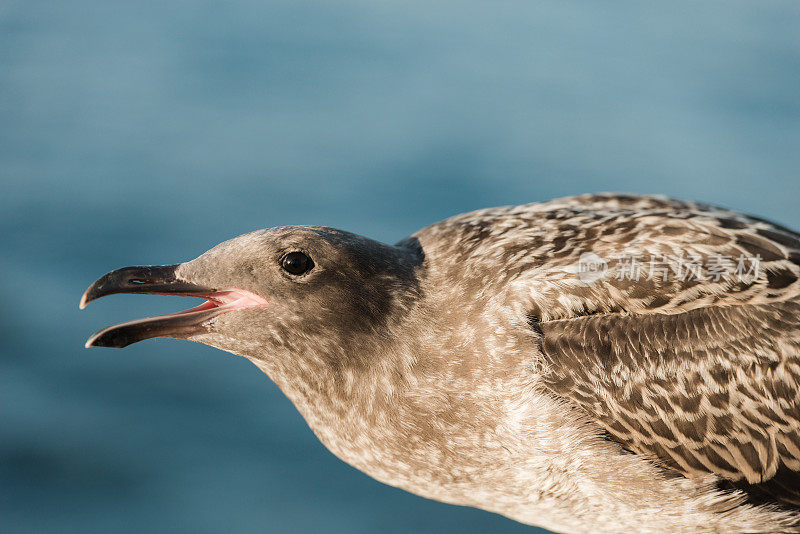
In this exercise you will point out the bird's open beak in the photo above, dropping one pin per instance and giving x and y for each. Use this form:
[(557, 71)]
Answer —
[(162, 280)]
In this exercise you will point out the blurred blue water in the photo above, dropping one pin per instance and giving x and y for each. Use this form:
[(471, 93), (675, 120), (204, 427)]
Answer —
[(139, 132)]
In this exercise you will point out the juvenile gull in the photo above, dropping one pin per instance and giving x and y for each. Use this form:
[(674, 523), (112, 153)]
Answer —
[(513, 359)]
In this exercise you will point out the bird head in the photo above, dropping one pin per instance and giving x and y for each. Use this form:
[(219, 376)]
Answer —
[(281, 296)]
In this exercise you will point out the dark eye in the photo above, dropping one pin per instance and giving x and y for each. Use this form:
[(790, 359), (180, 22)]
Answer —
[(296, 263)]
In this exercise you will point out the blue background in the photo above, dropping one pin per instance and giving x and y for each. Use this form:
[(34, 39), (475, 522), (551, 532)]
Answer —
[(146, 132)]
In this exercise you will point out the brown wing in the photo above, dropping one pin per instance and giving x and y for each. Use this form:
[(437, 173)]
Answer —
[(711, 390), (699, 373)]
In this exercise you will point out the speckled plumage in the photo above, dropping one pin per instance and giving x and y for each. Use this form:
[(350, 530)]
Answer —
[(472, 364)]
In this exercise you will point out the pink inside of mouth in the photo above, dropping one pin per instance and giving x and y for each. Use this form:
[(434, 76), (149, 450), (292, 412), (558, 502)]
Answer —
[(229, 300)]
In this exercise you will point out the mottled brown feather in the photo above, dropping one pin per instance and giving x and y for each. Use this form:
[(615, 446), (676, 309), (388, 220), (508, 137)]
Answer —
[(706, 385), (704, 377)]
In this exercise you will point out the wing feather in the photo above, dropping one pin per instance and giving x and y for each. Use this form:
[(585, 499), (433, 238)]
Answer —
[(699, 373), (711, 390)]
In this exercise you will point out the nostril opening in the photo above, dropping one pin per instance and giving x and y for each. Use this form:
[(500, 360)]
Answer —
[(138, 281)]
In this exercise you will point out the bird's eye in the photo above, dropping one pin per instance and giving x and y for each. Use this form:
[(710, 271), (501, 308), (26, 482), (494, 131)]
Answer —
[(296, 263)]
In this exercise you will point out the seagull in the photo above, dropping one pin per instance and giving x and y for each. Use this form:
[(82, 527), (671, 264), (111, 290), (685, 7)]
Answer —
[(598, 363)]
